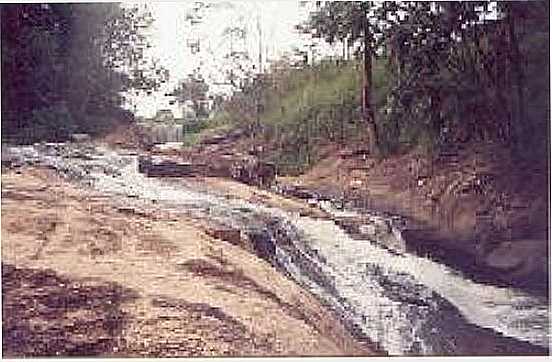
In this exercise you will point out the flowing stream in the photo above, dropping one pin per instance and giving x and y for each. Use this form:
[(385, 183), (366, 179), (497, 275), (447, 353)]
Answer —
[(408, 304)]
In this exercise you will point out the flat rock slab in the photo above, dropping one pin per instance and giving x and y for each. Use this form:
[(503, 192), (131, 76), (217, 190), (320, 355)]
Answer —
[(166, 167)]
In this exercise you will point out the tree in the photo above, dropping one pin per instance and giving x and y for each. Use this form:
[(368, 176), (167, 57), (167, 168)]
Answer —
[(193, 89), (457, 70), (349, 22), (59, 68)]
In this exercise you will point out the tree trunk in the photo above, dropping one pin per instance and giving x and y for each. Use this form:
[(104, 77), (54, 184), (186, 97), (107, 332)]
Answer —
[(368, 110), (516, 62)]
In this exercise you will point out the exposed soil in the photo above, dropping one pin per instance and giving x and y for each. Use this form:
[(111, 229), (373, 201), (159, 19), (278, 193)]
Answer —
[(83, 276), (474, 207)]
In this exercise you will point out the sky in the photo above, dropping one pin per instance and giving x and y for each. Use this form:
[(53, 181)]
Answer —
[(171, 33)]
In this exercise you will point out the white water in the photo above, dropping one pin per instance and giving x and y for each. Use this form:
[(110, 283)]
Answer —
[(404, 302), (509, 312)]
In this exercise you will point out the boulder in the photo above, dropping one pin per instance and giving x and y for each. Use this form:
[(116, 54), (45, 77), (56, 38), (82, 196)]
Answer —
[(521, 257), (7, 156), (251, 171), (374, 228), (263, 244)]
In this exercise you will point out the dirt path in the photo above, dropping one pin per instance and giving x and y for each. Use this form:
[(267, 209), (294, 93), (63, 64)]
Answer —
[(84, 276)]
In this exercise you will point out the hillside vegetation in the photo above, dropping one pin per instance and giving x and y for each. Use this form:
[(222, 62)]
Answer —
[(457, 82)]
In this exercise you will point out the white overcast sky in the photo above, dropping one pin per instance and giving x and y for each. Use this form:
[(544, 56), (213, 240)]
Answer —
[(171, 32)]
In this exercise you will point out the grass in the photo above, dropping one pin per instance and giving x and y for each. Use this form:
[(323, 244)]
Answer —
[(313, 107), (303, 110)]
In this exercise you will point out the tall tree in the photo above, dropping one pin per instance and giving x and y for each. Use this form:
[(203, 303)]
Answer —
[(59, 68), (457, 68), (349, 21)]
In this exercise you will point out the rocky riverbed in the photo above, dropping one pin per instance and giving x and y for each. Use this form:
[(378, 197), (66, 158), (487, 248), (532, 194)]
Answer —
[(362, 273), (85, 274)]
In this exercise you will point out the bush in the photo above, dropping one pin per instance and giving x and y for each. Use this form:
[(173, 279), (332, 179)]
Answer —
[(54, 123)]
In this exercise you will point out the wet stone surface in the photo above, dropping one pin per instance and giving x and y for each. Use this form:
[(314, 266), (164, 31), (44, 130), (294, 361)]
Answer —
[(405, 303)]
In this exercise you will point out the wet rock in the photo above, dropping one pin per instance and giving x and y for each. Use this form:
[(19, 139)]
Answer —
[(233, 236), (369, 230), (167, 147), (159, 167), (132, 211), (81, 154), (251, 171), (263, 244), (374, 228), (7, 156), (224, 138), (296, 191), (520, 260)]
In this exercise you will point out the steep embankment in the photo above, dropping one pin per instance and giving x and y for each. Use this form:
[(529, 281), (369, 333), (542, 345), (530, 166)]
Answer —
[(474, 208), (83, 275)]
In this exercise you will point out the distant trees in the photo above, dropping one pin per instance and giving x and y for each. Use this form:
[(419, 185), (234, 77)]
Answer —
[(193, 90), (64, 67)]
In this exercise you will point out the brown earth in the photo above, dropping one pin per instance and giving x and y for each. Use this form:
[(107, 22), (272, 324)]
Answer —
[(474, 208), (126, 136), (84, 276)]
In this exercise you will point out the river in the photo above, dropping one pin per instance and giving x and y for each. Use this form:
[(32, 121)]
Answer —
[(407, 304)]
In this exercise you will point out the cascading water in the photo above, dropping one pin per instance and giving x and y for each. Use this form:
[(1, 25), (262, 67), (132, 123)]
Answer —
[(408, 304)]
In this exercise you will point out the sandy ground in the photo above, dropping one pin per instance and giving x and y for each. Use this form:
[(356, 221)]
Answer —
[(84, 276)]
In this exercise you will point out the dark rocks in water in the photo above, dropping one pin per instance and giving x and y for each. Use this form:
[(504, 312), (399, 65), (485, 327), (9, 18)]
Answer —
[(252, 171), (374, 228), (263, 244), (354, 153), (233, 236), (297, 191), (81, 154), (508, 264), (80, 137), (403, 288), (164, 167), (224, 138), (247, 170), (144, 163)]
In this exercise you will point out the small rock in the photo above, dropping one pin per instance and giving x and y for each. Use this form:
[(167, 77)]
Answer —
[(233, 236)]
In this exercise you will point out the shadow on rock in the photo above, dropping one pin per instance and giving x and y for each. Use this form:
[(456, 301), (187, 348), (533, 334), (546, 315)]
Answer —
[(49, 315)]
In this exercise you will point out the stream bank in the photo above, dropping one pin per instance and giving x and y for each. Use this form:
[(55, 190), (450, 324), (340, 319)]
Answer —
[(474, 207), (408, 305)]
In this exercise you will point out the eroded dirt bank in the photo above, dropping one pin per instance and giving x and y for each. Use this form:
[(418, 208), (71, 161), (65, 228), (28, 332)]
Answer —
[(475, 207), (84, 276)]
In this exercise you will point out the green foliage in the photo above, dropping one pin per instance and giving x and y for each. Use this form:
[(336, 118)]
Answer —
[(45, 123), (308, 108), (302, 109), (461, 72), (62, 68), (193, 89)]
